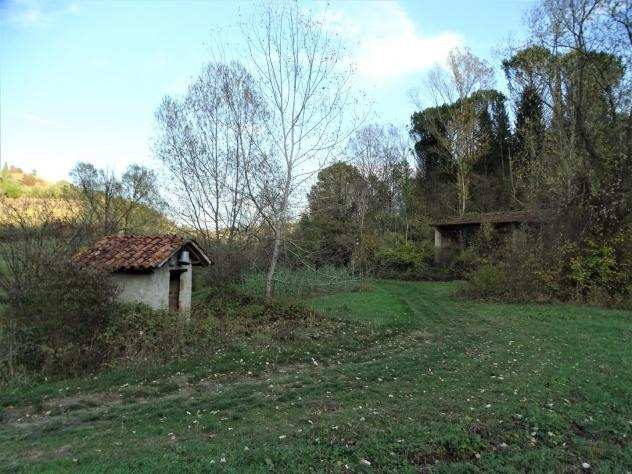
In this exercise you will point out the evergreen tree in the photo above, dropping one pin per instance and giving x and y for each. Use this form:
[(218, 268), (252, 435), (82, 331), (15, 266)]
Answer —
[(530, 128)]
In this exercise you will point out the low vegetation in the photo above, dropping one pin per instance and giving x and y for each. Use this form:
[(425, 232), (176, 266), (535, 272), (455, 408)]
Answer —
[(527, 270), (399, 377), (307, 281), (89, 332)]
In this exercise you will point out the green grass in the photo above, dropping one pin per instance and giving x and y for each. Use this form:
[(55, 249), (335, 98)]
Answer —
[(410, 379)]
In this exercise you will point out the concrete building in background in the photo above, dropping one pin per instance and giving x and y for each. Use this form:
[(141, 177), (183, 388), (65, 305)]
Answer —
[(151, 269), (458, 232)]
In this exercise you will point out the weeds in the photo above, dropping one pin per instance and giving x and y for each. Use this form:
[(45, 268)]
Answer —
[(306, 282)]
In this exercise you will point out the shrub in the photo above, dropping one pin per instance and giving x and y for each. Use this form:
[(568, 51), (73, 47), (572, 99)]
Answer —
[(54, 310), (598, 273), (546, 266), (10, 188), (8, 348), (137, 334), (57, 316), (402, 260), (229, 315), (487, 281)]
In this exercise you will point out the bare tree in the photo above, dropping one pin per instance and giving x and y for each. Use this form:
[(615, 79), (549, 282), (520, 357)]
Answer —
[(204, 141), (454, 85), (111, 204), (303, 75), (380, 152)]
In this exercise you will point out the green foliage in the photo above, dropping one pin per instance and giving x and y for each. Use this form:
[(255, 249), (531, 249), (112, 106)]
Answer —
[(404, 260), (487, 281), (329, 232), (487, 174), (137, 334), (352, 208), (595, 273), (10, 188), (541, 267), (56, 316), (231, 316), (15, 183), (299, 283), (8, 349)]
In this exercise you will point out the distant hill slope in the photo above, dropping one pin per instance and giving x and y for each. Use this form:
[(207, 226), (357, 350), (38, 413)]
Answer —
[(34, 199), (16, 183)]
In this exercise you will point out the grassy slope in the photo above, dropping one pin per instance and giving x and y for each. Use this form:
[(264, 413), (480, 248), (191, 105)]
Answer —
[(14, 182), (424, 381)]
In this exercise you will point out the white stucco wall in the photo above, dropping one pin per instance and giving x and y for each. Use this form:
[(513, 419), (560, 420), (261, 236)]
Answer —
[(152, 288)]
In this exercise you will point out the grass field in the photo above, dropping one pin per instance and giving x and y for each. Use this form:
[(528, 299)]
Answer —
[(410, 380)]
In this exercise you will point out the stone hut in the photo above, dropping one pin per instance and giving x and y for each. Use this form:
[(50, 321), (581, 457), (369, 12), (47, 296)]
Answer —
[(151, 269)]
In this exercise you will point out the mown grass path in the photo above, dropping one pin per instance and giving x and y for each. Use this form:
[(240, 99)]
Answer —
[(422, 382)]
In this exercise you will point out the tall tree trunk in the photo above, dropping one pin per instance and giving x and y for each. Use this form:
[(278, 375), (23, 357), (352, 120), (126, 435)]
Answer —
[(278, 236), (279, 228), (463, 202)]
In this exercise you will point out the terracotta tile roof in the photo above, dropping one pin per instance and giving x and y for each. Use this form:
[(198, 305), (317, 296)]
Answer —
[(497, 218), (133, 252)]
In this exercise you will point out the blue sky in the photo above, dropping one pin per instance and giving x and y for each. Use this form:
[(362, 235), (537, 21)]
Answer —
[(80, 81)]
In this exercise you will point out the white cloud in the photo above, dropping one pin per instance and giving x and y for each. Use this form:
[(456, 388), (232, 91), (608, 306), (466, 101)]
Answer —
[(390, 44), (35, 119), (33, 13), (73, 8)]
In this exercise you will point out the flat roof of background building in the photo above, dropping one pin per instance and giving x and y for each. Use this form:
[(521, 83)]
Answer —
[(505, 217)]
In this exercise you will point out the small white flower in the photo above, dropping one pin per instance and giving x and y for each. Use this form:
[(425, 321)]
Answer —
[(365, 462), (585, 465)]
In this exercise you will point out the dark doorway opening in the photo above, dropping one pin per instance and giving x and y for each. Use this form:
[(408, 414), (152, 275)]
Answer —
[(174, 291)]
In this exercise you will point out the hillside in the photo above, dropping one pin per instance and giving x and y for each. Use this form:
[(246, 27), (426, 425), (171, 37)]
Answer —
[(16, 183), (34, 198)]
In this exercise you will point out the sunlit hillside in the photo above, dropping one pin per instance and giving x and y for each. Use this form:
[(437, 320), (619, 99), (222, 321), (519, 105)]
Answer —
[(17, 183), (27, 198)]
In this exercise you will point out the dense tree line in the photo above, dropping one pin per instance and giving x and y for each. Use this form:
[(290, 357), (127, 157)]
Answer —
[(560, 141), (245, 141)]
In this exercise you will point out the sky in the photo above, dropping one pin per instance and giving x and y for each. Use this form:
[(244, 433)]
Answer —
[(81, 81)]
